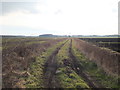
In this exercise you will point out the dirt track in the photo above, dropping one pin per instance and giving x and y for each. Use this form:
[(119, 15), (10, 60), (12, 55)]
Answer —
[(50, 70), (51, 66)]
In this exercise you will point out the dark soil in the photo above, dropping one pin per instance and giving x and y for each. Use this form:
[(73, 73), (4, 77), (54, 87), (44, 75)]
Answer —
[(109, 44), (50, 70)]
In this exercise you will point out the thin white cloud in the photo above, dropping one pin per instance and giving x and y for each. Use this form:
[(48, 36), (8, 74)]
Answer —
[(73, 17)]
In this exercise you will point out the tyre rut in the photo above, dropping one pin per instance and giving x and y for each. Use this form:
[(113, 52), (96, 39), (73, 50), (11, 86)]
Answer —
[(50, 81), (77, 67)]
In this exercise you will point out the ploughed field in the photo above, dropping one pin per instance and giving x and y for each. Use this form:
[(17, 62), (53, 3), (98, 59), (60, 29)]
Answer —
[(57, 63), (111, 43)]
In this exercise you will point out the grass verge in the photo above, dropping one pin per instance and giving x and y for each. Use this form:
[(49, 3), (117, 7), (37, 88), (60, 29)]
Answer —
[(93, 70)]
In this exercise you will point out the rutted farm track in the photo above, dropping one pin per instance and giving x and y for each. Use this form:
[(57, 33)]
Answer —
[(51, 66), (50, 69)]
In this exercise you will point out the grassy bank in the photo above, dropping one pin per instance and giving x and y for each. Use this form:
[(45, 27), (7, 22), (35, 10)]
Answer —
[(93, 70)]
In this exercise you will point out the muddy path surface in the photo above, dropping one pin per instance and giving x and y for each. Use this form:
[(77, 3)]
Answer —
[(77, 67), (51, 65)]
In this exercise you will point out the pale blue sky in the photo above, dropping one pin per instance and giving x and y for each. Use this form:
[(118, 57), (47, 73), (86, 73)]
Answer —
[(82, 17)]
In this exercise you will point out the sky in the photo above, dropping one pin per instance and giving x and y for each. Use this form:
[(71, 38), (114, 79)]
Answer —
[(59, 17)]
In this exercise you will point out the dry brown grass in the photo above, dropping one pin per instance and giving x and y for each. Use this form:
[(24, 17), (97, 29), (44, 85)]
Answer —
[(16, 61), (104, 58)]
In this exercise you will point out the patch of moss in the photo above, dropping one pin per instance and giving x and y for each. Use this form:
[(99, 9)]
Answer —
[(68, 77), (71, 80)]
